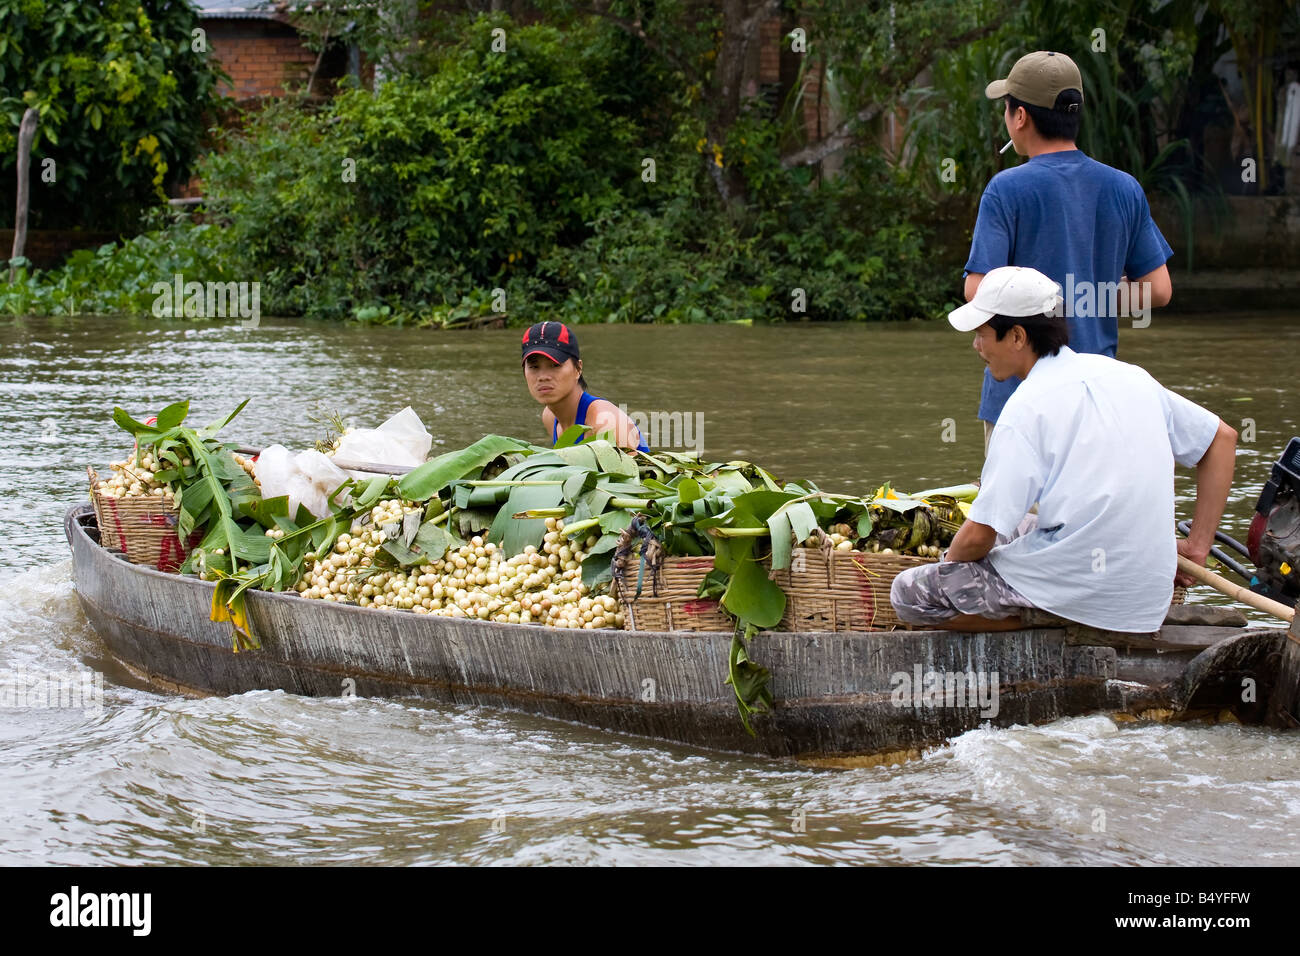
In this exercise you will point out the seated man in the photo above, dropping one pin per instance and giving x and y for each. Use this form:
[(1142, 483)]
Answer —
[(1093, 441)]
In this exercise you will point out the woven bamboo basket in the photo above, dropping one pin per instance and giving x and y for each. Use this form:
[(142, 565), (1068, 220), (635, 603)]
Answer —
[(829, 590), (825, 591), (143, 529), (669, 600)]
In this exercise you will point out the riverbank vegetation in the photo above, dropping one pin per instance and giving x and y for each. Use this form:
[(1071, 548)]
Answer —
[(630, 167)]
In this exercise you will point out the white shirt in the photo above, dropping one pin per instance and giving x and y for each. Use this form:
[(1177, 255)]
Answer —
[(1093, 440)]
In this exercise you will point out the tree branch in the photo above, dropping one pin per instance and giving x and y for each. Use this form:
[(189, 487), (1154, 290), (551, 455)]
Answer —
[(311, 80), (845, 134), (634, 28), (840, 137), (26, 133)]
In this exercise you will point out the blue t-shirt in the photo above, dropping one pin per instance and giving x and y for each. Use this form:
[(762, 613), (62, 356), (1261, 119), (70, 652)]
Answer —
[(1080, 223)]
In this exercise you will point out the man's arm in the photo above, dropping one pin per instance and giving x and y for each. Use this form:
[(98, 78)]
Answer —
[(1153, 290), (972, 283), (973, 541), (622, 430), (1213, 483)]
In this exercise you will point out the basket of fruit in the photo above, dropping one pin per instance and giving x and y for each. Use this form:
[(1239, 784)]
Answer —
[(136, 514)]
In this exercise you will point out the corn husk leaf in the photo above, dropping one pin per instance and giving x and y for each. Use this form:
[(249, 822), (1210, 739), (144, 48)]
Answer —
[(516, 534), (965, 492), (749, 680), (371, 492), (597, 566), (571, 435)]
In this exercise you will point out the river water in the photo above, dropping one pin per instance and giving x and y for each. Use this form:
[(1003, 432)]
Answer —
[(268, 777)]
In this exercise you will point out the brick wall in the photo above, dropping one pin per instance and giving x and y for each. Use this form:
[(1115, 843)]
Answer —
[(263, 57), (771, 42), (769, 56)]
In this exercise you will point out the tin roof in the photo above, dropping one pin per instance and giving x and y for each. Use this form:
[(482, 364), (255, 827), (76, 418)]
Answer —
[(235, 9)]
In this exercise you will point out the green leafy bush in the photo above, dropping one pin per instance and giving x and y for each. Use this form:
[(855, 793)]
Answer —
[(525, 173), (416, 194), (122, 95), (117, 278), (852, 245)]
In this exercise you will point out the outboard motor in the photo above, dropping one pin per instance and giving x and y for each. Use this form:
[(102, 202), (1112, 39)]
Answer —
[(1274, 539)]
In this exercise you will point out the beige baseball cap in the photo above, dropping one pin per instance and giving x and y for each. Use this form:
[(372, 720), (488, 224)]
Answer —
[(1038, 78), (1007, 290)]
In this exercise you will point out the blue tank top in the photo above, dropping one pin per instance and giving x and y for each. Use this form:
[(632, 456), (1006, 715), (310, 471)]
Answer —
[(584, 403)]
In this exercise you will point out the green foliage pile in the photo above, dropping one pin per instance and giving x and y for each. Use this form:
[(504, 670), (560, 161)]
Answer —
[(460, 178)]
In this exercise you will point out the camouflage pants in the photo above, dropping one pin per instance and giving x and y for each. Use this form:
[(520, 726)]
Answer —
[(934, 593)]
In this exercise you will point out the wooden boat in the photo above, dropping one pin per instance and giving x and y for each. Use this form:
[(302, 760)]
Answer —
[(840, 697)]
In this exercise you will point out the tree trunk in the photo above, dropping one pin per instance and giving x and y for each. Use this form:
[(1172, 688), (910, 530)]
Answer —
[(26, 133), (741, 23), (311, 80), (844, 134), (726, 97)]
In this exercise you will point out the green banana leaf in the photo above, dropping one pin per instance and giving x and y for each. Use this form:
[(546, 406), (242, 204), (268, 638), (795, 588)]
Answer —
[(430, 478), (753, 597), (793, 521)]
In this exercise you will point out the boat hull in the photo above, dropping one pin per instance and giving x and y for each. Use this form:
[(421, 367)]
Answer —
[(837, 694)]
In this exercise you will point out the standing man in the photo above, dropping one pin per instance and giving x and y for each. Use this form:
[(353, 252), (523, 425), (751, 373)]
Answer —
[(1083, 224)]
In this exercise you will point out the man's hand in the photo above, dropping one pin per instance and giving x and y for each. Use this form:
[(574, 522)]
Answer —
[(1144, 293), (1194, 554)]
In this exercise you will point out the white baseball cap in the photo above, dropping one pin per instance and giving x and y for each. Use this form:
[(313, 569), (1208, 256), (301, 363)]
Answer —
[(1007, 290)]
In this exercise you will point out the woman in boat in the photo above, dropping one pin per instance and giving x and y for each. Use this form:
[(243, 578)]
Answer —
[(553, 371)]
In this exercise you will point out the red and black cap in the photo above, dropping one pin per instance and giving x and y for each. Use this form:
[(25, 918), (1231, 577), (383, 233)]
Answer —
[(552, 339)]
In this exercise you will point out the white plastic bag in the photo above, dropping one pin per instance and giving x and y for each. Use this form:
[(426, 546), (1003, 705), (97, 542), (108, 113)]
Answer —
[(274, 468), (323, 477), (308, 478), (402, 440)]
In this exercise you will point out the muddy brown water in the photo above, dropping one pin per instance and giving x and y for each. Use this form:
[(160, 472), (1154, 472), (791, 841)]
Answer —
[(269, 777)]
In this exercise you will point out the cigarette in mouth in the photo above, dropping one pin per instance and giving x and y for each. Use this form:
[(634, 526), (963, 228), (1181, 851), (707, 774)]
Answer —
[(1005, 148)]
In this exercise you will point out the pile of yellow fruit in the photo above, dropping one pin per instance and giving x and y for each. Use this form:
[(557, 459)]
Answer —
[(132, 479), (476, 580)]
